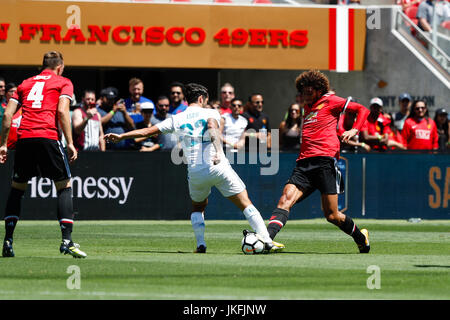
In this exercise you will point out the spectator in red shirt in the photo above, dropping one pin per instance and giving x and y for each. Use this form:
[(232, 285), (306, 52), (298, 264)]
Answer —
[(45, 102), (375, 131), (11, 88), (419, 131), (317, 163), (395, 138), (408, 3), (226, 95)]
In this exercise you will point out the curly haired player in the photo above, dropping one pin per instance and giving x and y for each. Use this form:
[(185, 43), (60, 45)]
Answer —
[(317, 163)]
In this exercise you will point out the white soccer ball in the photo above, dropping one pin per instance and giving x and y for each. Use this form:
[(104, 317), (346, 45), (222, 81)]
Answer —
[(252, 244)]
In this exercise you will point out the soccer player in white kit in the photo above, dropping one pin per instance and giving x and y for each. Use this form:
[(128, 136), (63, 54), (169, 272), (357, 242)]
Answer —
[(197, 128)]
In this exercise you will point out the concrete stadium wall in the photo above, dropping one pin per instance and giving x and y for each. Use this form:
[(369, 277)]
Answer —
[(133, 185)]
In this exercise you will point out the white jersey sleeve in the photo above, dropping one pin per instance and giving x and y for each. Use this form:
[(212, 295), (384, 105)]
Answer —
[(166, 126)]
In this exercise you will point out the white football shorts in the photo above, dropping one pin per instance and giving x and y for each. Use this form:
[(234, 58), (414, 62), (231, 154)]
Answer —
[(223, 177)]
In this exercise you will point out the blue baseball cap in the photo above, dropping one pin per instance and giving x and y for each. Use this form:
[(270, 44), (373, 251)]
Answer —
[(404, 95)]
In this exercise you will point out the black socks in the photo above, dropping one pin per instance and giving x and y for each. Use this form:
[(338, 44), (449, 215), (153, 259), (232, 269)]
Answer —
[(65, 212), (277, 221), (12, 211), (350, 228)]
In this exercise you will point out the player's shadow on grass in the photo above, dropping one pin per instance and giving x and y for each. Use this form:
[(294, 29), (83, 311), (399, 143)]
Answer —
[(160, 251), (430, 266), (234, 253), (180, 251), (312, 252)]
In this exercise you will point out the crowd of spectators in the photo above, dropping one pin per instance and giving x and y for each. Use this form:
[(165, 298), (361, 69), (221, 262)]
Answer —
[(422, 13), (409, 128)]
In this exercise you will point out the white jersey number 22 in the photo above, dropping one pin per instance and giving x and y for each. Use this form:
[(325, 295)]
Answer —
[(35, 94)]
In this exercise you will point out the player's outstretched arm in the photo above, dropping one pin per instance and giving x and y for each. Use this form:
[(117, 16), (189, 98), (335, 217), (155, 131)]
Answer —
[(140, 133)]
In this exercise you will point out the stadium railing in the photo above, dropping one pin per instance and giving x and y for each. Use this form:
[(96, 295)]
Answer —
[(430, 49)]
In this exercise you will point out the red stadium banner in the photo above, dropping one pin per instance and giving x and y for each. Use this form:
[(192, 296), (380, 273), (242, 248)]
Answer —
[(183, 36)]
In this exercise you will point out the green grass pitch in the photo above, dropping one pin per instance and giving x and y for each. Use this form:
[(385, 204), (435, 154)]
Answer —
[(154, 260)]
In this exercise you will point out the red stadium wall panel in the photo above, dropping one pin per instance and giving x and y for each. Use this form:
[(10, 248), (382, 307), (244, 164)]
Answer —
[(183, 36)]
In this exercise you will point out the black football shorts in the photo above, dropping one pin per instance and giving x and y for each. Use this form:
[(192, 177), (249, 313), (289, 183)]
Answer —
[(317, 173), (40, 157)]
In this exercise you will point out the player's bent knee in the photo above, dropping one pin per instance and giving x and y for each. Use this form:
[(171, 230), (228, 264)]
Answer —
[(199, 206), (241, 200), (333, 218)]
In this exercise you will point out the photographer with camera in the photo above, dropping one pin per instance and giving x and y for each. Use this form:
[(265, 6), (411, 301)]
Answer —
[(115, 118)]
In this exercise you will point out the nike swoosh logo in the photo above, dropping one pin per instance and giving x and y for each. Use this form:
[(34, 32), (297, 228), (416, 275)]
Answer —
[(249, 250)]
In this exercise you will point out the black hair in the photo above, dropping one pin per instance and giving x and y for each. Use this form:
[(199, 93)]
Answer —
[(412, 114), (178, 84), (444, 126), (291, 121), (194, 91), (162, 98), (252, 95), (9, 86), (235, 99)]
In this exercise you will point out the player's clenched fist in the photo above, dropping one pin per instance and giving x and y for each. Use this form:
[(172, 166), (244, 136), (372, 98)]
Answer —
[(113, 137), (3, 154)]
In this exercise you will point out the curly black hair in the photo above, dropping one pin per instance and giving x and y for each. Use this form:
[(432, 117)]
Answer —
[(313, 78)]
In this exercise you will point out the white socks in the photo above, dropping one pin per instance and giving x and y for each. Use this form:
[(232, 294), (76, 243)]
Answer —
[(198, 224), (251, 214), (256, 222)]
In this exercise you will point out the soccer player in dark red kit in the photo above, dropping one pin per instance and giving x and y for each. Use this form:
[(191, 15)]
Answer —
[(45, 101), (319, 151)]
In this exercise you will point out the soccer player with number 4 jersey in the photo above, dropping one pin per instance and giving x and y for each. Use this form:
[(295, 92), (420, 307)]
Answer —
[(198, 131), (317, 163), (45, 101)]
